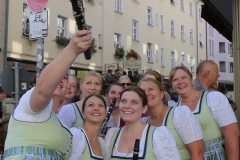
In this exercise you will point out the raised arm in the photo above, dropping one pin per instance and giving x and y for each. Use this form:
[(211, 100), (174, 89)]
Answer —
[(55, 71)]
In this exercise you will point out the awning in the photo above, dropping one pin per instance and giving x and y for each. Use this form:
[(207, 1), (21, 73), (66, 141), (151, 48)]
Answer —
[(218, 13)]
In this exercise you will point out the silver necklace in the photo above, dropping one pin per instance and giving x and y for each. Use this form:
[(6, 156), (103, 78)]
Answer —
[(192, 99)]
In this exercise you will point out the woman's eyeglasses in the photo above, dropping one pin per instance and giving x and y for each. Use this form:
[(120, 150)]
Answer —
[(127, 84)]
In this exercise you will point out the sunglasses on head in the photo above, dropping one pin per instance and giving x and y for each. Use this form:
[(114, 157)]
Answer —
[(127, 84)]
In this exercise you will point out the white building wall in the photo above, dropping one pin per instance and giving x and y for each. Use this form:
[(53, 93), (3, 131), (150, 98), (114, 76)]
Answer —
[(217, 55), (105, 22)]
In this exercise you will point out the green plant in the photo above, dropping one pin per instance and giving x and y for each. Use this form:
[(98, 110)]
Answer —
[(93, 46), (119, 53), (63, 41)]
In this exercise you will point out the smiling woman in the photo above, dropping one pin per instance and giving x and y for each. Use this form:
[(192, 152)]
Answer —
[(33, 126), (71, 114), (87, 144), (155, 142), (212, 109)]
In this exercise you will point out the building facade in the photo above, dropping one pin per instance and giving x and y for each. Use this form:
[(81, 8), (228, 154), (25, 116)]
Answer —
[(219, 49), (3, 33), (163, 33)]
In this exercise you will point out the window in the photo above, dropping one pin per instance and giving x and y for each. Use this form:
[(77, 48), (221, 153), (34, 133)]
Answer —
[(61, 26), (221, 47), (212, 31), (135, 30), (172, 59), (162, 23), (192, 64), (222, 66), (182, 4), (156, 55), (149, 15), (209, 30), (191, 36), (149, 52), (230, 67), (117, 41), (172, 2), (183, 58), (90, 1), (172, 28), (118, 6), (162, 57), (200, 14), (230, 49), (136, 0), (191, 9), (182, 33), (25, 20), (156, 20), (212, 48), (200, 40)]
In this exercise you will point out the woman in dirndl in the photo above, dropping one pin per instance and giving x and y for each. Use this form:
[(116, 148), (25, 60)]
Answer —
[(155, 142), (212, 109), (34, 130), (71, 114), (87, 144)]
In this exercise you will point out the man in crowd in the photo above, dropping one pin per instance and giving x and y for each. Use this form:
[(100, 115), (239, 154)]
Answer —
[(109, 78), (130, 76), (207, 75), (136, 77), (116, 76)]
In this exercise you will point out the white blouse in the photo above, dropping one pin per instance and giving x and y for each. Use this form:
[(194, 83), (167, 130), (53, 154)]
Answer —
[(164, 144), (186, 124), (23, 112), (79, 144), (67, 115), (221, 109)]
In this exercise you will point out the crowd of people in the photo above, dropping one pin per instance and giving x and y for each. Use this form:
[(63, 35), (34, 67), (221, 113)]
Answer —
[(60, 118)]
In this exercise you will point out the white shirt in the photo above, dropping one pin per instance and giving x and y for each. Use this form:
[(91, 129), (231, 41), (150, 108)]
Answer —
[(79, 144), (220, 107), (164, 144), (186, 124), (23, 112), (67, 115)]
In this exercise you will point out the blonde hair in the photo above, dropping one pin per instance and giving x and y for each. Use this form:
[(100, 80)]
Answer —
[(156, 84), (92, 73), (174, 70)]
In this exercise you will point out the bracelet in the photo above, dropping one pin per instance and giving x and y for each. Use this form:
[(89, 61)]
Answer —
[(67, 58)]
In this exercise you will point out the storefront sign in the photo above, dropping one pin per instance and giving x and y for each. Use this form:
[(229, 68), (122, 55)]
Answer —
[(80, 73), (132, 63), (112, 66)]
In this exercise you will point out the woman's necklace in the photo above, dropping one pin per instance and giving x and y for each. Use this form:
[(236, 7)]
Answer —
[(193, 99), (154, 121)]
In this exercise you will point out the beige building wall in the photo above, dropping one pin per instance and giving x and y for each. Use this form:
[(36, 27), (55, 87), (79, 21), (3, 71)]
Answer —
[(3, 8), (121, 23), (20, 47), (105, 21)]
